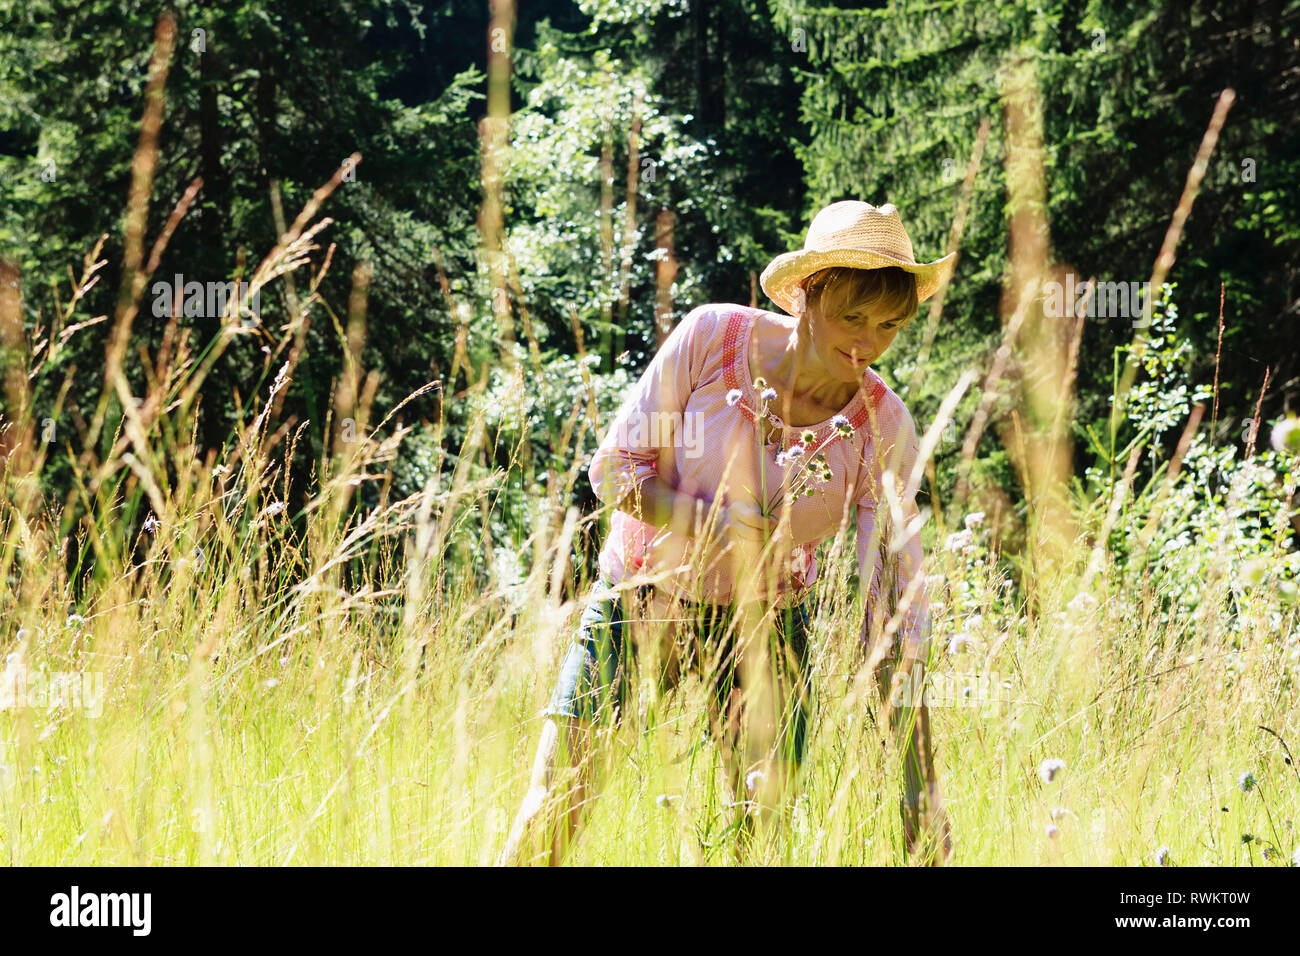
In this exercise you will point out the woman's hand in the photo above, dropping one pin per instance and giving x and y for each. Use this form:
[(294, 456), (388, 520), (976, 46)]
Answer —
[(736, 523)]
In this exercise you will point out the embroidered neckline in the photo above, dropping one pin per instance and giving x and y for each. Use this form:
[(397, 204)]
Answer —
[(739, 334)]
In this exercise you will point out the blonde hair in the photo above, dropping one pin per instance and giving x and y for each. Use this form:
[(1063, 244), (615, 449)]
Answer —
[(891, 291)]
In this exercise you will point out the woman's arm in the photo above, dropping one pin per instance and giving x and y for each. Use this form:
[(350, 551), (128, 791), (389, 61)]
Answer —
[(629, 451), (658, 503), (624, 471)]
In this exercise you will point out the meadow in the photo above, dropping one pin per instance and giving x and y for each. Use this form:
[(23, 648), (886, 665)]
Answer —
[(329, 677), (332, 686)]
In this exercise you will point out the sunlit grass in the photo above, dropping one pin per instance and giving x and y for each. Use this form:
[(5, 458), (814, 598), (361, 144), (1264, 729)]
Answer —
[(346, 680)]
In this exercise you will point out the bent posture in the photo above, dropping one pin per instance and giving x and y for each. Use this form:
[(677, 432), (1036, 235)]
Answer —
[(778, 428)]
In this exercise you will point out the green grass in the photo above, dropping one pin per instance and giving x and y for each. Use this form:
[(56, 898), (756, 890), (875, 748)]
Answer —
[(249, 720), (350, 681)]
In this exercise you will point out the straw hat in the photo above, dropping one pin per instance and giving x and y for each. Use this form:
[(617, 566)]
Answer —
[(854, 234)]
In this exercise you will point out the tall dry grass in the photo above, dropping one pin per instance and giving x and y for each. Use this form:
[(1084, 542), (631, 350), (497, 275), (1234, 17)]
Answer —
[(332, 686)]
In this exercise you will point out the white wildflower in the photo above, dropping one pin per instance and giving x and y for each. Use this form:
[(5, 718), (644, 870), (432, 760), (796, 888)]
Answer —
[(1049, 768), (974, 520), (959, 541)]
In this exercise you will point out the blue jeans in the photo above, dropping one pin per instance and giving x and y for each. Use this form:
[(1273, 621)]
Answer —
[(594, 678)]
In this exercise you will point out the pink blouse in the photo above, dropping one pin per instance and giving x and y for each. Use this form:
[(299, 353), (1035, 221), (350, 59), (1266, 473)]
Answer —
[(678, 422)]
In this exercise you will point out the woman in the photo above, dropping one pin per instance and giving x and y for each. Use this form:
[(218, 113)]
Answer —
[(742, 448)]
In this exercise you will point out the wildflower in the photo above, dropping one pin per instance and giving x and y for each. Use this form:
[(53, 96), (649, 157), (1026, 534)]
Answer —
[(271, 683), (1052, 831), (1246, 782), (74, 620), (733, 397), (959, 541), (974, 519), (820, 469), (663, 801), (1162, 857), (807, 492), (760, 383), (1049, 768), (842, 426), (768, 395), (796, 451), (1286, 435), (151, 524), (782, 458), (275, 508), (808, 437), (958, 643), (753, 779), (1268, 853)]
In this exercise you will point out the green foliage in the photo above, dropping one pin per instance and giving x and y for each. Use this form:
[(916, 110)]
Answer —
[(893, 99)]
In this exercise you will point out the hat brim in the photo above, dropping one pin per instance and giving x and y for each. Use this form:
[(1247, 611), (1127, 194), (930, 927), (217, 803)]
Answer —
[(785, 272)]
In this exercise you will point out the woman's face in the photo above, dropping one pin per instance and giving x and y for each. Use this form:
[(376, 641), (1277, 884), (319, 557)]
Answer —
[(850, 341)]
